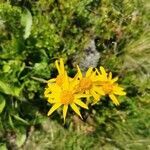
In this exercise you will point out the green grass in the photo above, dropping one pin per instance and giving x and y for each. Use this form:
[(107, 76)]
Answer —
[(34, 34)]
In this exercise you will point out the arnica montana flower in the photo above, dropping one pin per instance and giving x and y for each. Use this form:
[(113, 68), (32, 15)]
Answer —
[(64, 93), (108, 85), (88, 84)]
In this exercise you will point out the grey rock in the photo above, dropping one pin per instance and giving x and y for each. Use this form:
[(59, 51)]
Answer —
[(90, 56)]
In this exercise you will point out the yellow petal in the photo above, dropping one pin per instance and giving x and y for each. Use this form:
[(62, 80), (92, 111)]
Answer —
[(103, 75), (97, 71), (95, 101), (95, 95), (114, 99), (52, 80), (65, 84), (74, 83), (89, 72), (98, 90), (88, 98), (93, 76), (76, 109), (54, 87), (53, 108), (100, 79), (79, 73), (57, 66), (82, 95), (116, 88), (65, 108), (119, 92), (80, 103), (103, 71), (62, 69), (50, 95), (114, 79), (56, 95), (51, 100), (110, 76), (46, 92), (46, 95)]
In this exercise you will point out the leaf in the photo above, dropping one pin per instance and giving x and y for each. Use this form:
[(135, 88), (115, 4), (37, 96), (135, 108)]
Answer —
[(16, 91), (10, 90), (26, 21), (2, 103), (4, 87), (6, 68), (20, 119), (11, 122)]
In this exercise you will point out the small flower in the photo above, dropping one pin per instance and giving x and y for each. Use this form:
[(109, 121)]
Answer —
[(88, 84), (109, 86), (64, 95)]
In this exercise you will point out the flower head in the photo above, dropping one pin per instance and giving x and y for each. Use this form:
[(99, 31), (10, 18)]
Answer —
[(66, 91), (109, 85), (64, 96), (88, 84)]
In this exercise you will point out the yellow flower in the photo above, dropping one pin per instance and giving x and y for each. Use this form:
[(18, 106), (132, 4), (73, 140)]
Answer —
[(66, 91), (88, 84), (109, 86), (61, 73), (64, 95)]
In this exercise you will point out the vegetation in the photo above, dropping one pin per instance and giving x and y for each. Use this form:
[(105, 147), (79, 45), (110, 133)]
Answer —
[(33, 34)]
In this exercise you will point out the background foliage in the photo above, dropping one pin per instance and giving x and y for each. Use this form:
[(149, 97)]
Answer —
[(33, 34)]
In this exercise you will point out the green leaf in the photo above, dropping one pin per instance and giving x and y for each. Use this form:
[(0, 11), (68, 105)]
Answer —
[(6, 68), (3, 146), (10, 90), (16, 91), (20, 119), (2, 103), (4, 87), (26, 21), (11, 122)]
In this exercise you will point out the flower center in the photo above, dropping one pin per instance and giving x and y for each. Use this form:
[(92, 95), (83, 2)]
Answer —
[(107, 87), (67, 97), (85, 84), (59, 80)]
